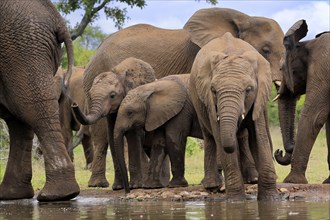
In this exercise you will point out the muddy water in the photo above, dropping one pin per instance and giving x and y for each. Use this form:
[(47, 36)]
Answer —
[(101, 208)]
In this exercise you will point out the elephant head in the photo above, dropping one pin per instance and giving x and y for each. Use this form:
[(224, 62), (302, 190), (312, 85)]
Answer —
[(232, 80), (264, 34), (149, 107), (109, 88)]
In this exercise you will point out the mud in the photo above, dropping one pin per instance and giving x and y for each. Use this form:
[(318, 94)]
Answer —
[(292, 192)]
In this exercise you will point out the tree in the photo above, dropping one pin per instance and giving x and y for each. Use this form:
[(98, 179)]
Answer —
[(85, 46), (92, 8)]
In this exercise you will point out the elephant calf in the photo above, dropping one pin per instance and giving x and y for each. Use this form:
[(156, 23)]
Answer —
[(108, 90), (230, 85), (164, 111)]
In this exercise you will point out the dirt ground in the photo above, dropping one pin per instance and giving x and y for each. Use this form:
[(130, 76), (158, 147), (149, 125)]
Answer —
[(307, 192)]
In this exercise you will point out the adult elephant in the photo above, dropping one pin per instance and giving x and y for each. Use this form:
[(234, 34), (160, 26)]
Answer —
[(30, 41), (173, 51), (69, 123), (230, 85), (307, 72), (107, 92)]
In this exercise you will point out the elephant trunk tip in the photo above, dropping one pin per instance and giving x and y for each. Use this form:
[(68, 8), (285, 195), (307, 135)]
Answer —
[(282, 160)]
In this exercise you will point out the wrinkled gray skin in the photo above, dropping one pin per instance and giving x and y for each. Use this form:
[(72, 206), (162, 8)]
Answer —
[(230, 85), (164, 111), (68, 120), (30, 41), (307, 68), (106, 93), (173, 51)]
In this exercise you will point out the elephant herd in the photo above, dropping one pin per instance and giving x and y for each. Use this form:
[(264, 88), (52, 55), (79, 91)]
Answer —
[(153, 88)]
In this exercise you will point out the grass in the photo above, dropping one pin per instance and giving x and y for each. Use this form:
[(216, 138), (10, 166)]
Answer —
[(317, 167)]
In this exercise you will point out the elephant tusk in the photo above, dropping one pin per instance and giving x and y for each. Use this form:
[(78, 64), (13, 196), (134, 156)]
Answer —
[(276, 97), (278, 83), (218, 118), (243, 116)]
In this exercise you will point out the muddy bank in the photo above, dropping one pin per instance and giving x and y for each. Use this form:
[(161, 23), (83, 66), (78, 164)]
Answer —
[(305, 192)]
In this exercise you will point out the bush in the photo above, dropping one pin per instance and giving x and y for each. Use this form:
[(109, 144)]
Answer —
[(193, 146)]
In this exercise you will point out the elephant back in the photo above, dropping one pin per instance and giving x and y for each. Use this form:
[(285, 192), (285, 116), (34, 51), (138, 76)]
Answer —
[(164, 49)]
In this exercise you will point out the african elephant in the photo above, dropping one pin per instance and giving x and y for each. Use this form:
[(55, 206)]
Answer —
[(173, 51), (164, 111), (230, 85), (106, 93), (307, 72), (30, 41), (68, 120)]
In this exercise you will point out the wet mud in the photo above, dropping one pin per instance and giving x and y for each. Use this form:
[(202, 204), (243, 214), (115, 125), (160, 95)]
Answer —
[(292, 192)]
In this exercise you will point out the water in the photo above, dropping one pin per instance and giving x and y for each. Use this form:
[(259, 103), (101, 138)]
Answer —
[(101, 208)]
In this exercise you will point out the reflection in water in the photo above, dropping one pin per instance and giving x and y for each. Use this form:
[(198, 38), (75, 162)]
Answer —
[(96, 208)]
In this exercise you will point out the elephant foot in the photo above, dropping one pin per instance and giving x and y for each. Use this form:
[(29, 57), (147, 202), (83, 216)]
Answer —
[(178, 182), (295, 178), (235, 197), (153, 184), (59, 191), (135, 184), (98, 182), (326, 181), (270, 195), (250, 175), (16, 191), (117, 185), (212, 183)]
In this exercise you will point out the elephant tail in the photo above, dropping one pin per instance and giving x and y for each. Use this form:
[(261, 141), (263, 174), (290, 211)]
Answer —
[(69, 50)]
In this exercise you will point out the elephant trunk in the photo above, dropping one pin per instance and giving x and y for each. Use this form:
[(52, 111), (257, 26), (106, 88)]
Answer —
[(91, 118), (119, 150), (287, 110), (228, 118)]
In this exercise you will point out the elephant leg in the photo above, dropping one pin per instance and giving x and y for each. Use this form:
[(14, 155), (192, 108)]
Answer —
[(212, 178), (58, 166), (99, 137), (117, 183), (165, 171), (312, 118), (248, 167), (16, 182), (176, 148), (261, 146), (327, 130), (157, 157), (138, 160), (88, 150)]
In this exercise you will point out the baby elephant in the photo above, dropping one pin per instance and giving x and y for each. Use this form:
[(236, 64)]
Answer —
[(163, 110)]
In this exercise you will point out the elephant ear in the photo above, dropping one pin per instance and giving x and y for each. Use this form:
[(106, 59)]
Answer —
[(293, 35), (206, 63), (134, 72), (210, 23), (264, 80), (165, 101)]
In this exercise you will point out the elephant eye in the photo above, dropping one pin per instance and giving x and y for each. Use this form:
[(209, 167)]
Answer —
[(129, 113), (113, 95), (266, 51), (248, 90), (214, 92)]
